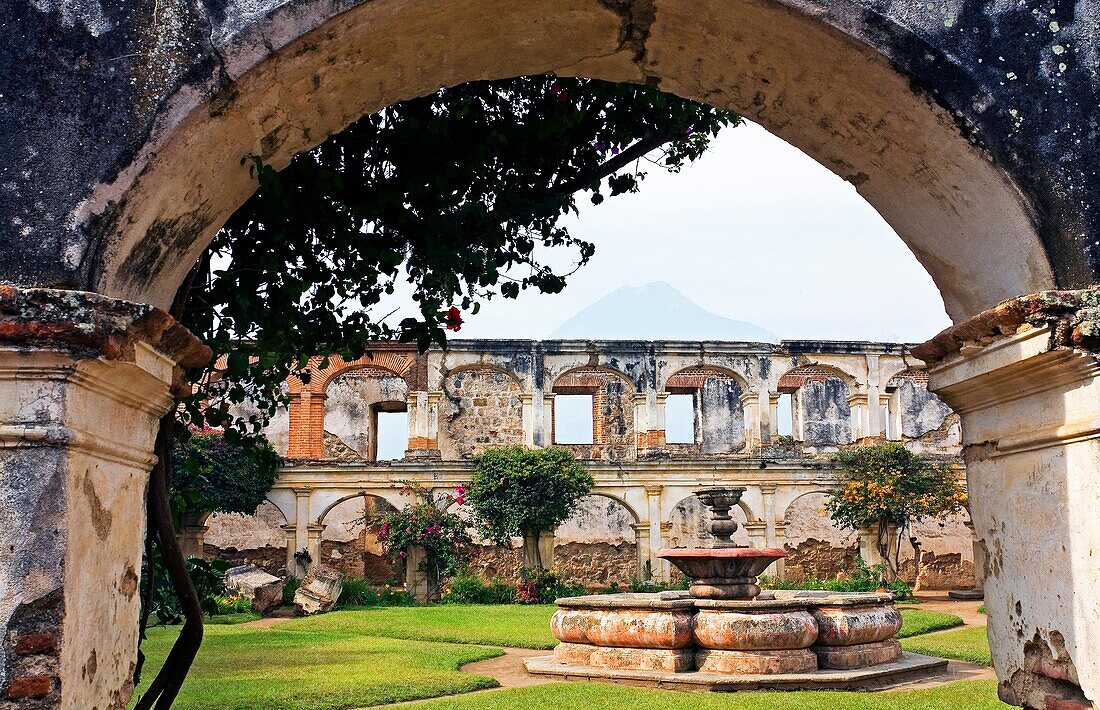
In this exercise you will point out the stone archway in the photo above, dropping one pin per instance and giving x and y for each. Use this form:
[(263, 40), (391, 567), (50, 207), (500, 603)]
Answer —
[(991, 185)]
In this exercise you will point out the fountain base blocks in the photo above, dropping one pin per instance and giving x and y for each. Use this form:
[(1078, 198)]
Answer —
[(796, 639)]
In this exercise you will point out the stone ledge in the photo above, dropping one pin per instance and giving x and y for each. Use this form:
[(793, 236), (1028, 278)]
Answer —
[(910, 665), (1072, 316), (660, 600), (89, 325)]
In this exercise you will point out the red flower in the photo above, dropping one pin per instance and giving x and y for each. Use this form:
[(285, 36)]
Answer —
[(454, 319)]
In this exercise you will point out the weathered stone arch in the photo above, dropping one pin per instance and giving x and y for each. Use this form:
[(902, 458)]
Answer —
[(689, 519), (482, 366), (620, 500), (872, 96)]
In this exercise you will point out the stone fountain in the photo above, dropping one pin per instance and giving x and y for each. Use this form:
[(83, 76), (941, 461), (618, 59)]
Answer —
[(723, 634)]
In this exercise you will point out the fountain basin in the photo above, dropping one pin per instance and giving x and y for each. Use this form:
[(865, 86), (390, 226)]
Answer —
[(754, 626), (723, 572), (788, 633), (655, 621)]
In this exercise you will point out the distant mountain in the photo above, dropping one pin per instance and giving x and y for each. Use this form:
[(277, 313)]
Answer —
[(655, 311)]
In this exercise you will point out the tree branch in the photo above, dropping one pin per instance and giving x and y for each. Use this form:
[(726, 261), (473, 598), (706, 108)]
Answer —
[(609, 167)]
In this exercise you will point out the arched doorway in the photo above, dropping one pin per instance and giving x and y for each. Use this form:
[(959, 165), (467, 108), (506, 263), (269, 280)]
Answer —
[(902, 107)]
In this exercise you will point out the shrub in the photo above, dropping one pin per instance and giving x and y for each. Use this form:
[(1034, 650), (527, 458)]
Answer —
[(860, 578), (523, 492), (208, 576), (211, 473), (886, 487), (539, 585), (290, 586), (428, 524), (231, 605), (355, 592), (470, 589)]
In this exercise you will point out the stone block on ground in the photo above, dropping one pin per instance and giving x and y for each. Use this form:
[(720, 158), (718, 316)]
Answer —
[(319, 591), (263, 590), (756, 662), (680, 660), (858, 656)]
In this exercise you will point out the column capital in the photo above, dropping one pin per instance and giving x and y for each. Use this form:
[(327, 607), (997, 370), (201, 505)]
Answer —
[(662, 397), (653, 490), (750, 397), (303, 491), (767, 488), (315, 528)]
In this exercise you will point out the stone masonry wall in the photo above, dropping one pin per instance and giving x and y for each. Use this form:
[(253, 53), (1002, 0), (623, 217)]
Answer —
[(482, 408)]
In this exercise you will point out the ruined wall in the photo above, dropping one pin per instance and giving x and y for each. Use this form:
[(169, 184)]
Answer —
[(350, 410), (256, 539), (613, 435), (482, 408), (825, 415), (815, 547), (350, 547), (719, 412)]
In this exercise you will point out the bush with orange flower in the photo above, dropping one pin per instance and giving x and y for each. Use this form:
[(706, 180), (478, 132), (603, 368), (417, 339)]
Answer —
[(887, 488)]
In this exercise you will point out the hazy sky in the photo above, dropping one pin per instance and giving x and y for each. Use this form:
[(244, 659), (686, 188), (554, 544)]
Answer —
[(754, 231)]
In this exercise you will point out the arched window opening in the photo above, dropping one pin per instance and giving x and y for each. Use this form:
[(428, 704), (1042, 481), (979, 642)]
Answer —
[(573, 419)]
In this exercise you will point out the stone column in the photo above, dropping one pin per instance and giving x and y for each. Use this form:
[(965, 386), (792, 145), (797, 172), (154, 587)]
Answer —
[(423, 424), (767, 491), (642, 547), (860, 425), (301, 527), (84, 381), (757, 533), (656, 541), (547, 420), (313, 545), (191, 540), (416, 579), (291, 565), (529, 418), (769, 406), (750, 404), (979, 556), (778, 568), (874, 409), (1023, 378)]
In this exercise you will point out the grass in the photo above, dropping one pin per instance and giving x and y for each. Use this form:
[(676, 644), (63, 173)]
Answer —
[(513, 625), (251, 669), (981, 609), (230, 619), (966, 644), (375, 655), (915, 622), (962, 695)]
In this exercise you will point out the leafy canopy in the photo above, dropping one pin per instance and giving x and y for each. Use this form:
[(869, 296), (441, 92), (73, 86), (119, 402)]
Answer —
[(458, 193), (516, 490), (211, 473), (887, 484)]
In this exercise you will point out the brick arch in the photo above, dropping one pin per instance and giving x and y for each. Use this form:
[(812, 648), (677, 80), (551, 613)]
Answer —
[(694, 377), (797, 376), (582, 376), (398, 363)]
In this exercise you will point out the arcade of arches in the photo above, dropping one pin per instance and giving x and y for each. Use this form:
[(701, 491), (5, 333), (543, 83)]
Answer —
[(491, 393), (970, 126)]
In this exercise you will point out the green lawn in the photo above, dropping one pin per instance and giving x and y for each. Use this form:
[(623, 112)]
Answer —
[(499, 625), (966, 644), (915, 622), (258, 669), (370, 656), (963, 695)]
